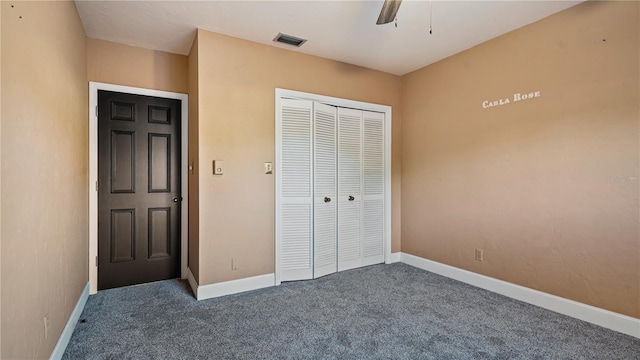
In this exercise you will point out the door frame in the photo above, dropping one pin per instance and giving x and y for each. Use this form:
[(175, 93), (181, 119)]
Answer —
[(291, 94), (94, 87)]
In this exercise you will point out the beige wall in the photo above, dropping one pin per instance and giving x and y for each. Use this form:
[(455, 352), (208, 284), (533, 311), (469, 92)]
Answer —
[(0, 178), (532, 182), (237, 81), (44, 173), (119, 64), (194, 196)]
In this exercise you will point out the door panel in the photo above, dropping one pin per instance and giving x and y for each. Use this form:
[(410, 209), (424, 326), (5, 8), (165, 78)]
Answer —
[(349, 235), (325, 190), (373, 180), (138, 189), (349, 188), (159, 162), (123, 161), (159, 236), (123, 235), (295, 226), (373, 224)]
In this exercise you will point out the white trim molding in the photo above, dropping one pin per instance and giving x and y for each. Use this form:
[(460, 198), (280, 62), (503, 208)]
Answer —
[(231, 287), (192, 283), (394, 258), (93, 171), (605, 318), (64, 338)]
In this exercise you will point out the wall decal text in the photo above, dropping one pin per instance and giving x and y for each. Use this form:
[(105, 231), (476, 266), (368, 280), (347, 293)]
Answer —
[(516, 97)]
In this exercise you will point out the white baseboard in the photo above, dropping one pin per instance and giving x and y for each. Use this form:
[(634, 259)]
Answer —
[(395, 257), (605, 318), (64, 338), (192, 282), (233, 286)]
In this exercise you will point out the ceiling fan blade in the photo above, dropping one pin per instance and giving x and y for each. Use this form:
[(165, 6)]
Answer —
[(389, 11)]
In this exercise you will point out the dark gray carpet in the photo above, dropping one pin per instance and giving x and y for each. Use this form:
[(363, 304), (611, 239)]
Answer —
[(378, 312)]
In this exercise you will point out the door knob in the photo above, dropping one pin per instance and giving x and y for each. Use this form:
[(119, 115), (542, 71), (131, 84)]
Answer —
[(351, 198), (175, 199), (327, 199)]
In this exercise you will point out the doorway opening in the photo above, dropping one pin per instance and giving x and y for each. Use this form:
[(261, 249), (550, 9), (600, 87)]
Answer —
[(180, 192)]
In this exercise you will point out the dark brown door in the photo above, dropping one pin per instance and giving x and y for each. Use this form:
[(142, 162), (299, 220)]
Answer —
[(138, 189)]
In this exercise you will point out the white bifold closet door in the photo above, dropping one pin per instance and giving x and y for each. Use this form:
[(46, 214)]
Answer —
[(295, 229), (325, 190), (331, 181), (373, 188), (360, 188), (349, 188)]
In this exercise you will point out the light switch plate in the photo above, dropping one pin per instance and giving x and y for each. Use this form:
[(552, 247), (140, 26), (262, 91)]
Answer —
[(218, 167), (268, 168)]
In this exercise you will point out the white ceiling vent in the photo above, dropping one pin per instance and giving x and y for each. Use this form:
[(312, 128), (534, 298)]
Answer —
[(289, 40)]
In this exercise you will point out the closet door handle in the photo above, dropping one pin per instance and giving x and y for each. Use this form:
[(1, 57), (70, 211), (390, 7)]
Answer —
[(327, 199), (351, 198)]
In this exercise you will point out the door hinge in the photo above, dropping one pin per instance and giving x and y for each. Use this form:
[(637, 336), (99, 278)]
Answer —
[(96, 111), (96, 186), (96, 261)]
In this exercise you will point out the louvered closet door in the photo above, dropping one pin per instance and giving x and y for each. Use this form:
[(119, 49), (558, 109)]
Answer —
[(373, 179), (325, 201), (349, 189), (294, 229)]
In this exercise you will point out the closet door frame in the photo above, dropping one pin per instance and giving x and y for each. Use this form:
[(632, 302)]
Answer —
[(291, 94)]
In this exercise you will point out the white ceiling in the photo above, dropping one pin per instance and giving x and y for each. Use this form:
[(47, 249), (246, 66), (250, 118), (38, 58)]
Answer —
[(339, 30)]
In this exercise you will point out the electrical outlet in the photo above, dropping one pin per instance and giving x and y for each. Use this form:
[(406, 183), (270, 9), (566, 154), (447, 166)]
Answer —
[(234, 264), (47, 324), (479, 254)]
